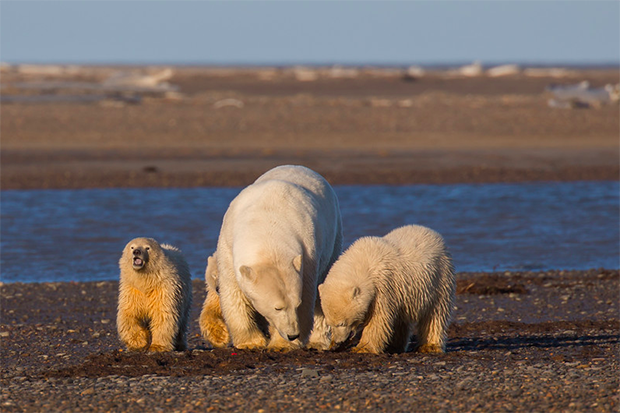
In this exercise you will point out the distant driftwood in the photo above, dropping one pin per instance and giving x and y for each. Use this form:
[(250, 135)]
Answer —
[(47, 70), (547, 72), (305, 74), (123, 86), (503, 70), (135, 80), (88, 86), (414, 72), (341, 72), (472, 70), (582, 95), (236, 103)]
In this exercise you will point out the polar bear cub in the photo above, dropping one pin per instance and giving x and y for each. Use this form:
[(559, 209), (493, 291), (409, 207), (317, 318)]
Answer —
[(155, 296), (211, 321), (278, 239), (385, 286)]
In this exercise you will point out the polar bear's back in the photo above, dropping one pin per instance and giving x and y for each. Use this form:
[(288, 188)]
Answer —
[(300, 176), (288, 184), (284, 207), (417, 243), (295, 195), (176, 261), (423, 260)]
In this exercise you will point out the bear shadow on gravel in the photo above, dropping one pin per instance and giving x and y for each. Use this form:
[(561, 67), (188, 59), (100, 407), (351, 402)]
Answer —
[(214, 362)]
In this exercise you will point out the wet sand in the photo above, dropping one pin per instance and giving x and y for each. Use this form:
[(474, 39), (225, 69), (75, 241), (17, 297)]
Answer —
[(527, 341), (368, 129)]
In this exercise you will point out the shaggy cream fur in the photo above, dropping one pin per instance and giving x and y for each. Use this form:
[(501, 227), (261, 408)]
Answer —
[(386, 286), (278, 239), (155, 296), (211, 321)]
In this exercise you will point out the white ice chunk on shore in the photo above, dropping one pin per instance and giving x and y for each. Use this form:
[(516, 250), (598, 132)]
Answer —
[(139, 80), (546, 72), (503, 70), (472, 70), (582, 95)]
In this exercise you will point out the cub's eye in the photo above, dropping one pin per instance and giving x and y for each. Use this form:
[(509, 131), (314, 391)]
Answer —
[(147, 248), (131, 247), (278, 308)]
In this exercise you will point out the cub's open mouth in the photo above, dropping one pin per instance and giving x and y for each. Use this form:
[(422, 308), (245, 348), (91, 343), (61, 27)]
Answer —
[(138, 263)]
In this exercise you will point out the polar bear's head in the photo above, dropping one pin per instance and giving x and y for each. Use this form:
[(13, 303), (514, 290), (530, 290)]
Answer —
[(140, 253), (275, 291), (345, 304)]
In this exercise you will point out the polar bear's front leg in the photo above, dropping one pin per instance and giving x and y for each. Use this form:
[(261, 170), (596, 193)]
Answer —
[(211, 321), (164, 328), (320, 338), (242, 326), (432, 332), (133, 331), (133, 328), (245, 333), (401, 335), (239, 315), (375, 337)]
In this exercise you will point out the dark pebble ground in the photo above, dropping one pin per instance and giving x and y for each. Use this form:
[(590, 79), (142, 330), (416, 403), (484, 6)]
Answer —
[(520, 341)]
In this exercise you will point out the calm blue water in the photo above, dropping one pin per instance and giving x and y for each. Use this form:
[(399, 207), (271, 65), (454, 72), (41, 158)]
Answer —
[(78, 235)]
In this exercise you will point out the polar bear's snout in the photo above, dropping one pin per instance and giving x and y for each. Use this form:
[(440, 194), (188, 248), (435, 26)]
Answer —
[(140, 258), (341, 335), (288, 328)]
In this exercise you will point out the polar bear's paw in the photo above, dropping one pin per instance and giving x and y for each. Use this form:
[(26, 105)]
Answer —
[(158, 348), (318, 345), (257, 343), (277, 343), (216, 333), (138, 339), (364, 349), (430, 348)]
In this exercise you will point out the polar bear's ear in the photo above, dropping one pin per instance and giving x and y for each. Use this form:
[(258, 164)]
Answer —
[(247, 273), (355, 292), (297, 263)]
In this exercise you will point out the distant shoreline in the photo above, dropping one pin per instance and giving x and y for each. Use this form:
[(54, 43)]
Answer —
[(210, 126), (268, 65)]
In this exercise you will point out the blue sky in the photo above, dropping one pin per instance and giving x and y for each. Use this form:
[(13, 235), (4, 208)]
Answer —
[(310, 32)]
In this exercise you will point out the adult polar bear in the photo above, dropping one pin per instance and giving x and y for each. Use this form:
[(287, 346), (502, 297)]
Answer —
[(278, 240)]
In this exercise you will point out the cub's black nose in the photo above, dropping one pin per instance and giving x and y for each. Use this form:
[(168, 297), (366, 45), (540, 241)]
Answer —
[(291, 338), (137, 252)]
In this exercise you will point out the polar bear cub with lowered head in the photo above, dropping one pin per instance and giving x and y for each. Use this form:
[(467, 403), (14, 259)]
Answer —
[(155, 296), (279, 238), (385, 286)]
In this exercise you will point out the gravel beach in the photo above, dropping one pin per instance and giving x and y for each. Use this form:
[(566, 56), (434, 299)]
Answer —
[(520, 341)]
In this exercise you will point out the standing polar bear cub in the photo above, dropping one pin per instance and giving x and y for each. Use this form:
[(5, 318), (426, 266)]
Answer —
[(279, 238), (155, 296), (383, 286)]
